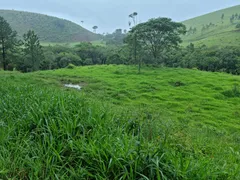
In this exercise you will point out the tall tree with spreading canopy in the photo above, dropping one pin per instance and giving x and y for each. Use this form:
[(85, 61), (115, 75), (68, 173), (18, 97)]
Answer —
[(7, 41), (158, 35), (32, 50)]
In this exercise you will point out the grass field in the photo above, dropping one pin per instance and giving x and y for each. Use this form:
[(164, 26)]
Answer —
[(223, 33), (164, 123)]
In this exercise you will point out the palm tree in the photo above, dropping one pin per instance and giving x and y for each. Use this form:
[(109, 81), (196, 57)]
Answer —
[(95, 29), (129, 23), (133, 16)]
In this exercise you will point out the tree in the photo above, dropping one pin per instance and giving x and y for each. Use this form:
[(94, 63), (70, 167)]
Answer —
[(238, 26), (8, 41), (48, 62), (91, 54), (65, 58), (129, 23), (133, 40), (32, 50), (236, 16), (158, 35), (203, 28), (116, 38), (222, 17), (190, 31), (194, 30), (82, 22), (191, 47), (133, 16), (95, 29), (232, 18)]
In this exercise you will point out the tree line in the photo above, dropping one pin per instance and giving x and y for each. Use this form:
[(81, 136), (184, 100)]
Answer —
[(26, 52), (153, 43)]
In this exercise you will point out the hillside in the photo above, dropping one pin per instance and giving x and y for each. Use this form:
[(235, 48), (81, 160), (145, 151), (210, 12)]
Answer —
[(212, 30), (165, 123), (48, 28)]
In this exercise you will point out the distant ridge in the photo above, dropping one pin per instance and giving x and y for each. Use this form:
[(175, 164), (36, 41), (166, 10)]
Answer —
[(48, 28)]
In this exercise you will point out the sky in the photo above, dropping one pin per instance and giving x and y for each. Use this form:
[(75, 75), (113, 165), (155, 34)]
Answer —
[(109, 15)]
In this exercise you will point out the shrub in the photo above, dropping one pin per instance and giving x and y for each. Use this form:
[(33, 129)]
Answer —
[(234, 92), (71, 66), (238, 26)]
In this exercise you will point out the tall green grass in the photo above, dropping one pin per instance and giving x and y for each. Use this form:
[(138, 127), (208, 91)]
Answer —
[(50, 132)]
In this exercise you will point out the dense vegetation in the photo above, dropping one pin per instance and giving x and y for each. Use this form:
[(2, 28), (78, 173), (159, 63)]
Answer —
[(117, 127), (49, 29), (214, 29), (225, 59), (135, 47)]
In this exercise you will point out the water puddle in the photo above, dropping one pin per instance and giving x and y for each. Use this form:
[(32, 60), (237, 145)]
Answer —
[(73, 86)]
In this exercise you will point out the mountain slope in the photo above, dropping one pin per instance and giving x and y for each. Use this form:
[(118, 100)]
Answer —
[(212, 30), (48, 28)]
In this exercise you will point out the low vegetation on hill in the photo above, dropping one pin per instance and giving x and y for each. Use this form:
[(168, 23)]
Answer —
[(218, 28), (48, 28)]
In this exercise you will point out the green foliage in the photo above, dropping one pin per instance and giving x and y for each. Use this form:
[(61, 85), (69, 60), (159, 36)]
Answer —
[(91, 54), (238, 26), (115, 59), (116, 38), (208, 59), (33, 53), (82, 54), (49, 29), (8, 42), (225, 59), (71, 66), (234, 92), (157, 35), (64, 58)]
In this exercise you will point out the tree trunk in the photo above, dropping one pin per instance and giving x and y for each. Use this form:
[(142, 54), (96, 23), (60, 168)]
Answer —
[(135, 54), (32, 58), (4, 56)]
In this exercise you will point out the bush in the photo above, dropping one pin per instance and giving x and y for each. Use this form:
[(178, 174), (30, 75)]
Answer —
[(238, 26), (71, 66), (234, 92)]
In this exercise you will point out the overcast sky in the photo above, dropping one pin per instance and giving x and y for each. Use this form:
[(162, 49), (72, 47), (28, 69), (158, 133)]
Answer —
[(109, 15)]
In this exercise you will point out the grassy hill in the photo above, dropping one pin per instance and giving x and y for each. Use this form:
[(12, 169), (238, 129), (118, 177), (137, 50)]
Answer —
[(219, 33), (48, 28), (164, 123)]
